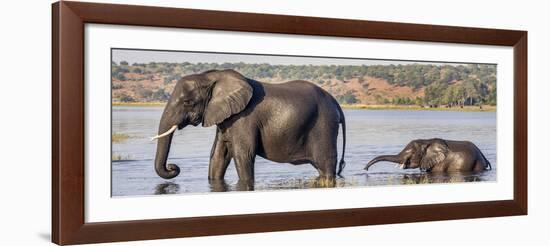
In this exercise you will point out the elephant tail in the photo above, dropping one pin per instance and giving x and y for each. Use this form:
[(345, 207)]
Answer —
[(488, 166), (487, 161), (342, 163)]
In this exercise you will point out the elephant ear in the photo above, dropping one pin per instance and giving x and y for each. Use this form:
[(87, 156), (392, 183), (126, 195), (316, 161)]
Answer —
[(435, 152), (230, 93)]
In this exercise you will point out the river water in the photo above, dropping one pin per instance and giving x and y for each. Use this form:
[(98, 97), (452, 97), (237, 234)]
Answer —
[(369, 133)]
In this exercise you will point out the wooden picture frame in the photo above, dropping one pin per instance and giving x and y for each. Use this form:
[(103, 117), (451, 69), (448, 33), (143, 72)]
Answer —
[(68, 223)]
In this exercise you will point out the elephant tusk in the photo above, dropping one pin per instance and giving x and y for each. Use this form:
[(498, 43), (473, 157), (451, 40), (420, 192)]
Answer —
[(174, 127)]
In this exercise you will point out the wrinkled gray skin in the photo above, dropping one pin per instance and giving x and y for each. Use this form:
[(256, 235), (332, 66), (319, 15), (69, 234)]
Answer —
[(438, 155), (294, 122)]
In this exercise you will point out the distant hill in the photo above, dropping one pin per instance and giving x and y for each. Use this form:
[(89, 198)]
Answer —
[(418, 84)]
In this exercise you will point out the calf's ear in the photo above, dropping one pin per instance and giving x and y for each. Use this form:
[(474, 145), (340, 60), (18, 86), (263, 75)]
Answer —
[(435, 152)]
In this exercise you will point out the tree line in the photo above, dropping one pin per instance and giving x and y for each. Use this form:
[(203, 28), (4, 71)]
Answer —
[(443, 84)]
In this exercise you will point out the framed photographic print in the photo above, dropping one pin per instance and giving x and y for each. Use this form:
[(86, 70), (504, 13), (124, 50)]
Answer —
[(175, 122)]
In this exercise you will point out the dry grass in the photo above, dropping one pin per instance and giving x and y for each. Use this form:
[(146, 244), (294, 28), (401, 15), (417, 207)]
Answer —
[(140, 104), (119, 157), (119, 137), (314, 182), (431, 180), (485, 108)]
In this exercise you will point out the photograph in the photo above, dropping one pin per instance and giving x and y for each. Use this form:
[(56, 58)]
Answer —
[(185, 122)]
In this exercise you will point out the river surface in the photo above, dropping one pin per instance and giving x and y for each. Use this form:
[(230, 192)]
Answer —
[(369, 133)]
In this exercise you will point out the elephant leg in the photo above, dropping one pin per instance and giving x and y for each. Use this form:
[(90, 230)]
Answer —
[(220, 156), (325, 156), (244, 163), (218, 185), (245, 185), (322, 146), (244, 146), (326, 168)]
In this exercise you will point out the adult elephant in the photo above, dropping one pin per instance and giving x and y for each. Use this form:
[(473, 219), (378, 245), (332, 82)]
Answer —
[(438, 155), (294, 122)]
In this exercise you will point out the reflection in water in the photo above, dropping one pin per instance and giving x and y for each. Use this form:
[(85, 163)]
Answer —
[(428, 178), (293, 183), (244, 185), (218, 185), (167, 188), (222, 185), (303, 183), (424, 178)]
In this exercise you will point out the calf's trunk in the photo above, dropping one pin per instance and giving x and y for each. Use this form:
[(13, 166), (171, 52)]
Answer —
[(390, 158)]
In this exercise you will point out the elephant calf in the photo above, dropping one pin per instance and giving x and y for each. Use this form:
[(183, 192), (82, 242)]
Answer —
[(438, 155), (294, 122)]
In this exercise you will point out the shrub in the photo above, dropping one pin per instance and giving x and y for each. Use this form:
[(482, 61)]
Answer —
[(120, 76), (347, 98), (137, 70), (169, 79), (126, 98), (145, 93), (160, 95)]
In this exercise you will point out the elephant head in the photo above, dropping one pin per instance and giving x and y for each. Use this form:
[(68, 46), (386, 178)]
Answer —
[(208, 98), (423, 153)]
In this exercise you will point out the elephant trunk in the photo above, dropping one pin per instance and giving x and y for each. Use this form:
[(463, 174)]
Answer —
[(166, 132), (390, 158)]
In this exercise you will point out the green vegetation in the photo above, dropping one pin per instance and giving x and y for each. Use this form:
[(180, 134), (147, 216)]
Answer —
[(126, 98), (347, 98), (486, 108), (119, 137), (434, 85)]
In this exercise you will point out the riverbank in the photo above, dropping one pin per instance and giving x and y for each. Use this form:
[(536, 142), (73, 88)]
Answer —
[(139, 104), (484, 108)]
